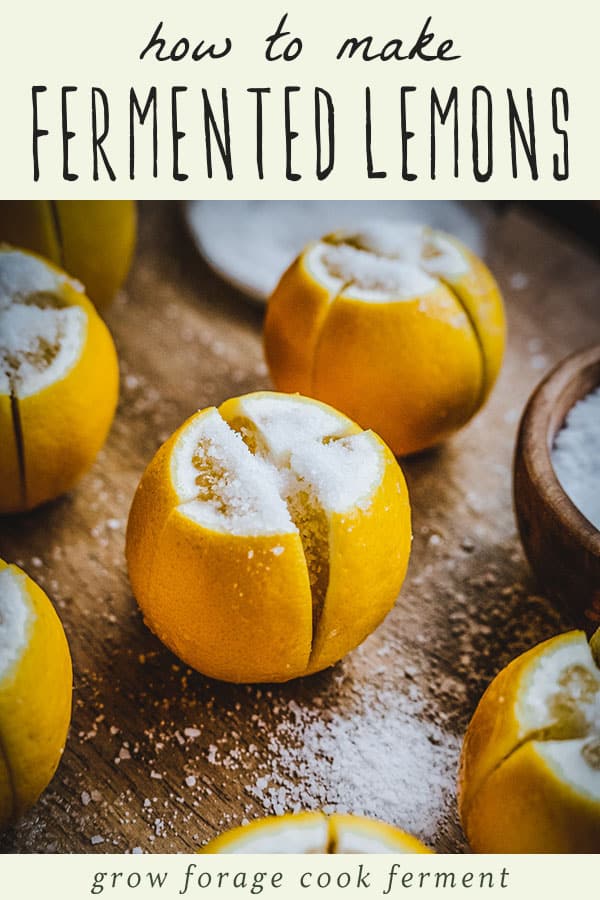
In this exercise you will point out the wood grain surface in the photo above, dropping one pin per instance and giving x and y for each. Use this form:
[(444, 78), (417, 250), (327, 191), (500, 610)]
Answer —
[(160, 758)]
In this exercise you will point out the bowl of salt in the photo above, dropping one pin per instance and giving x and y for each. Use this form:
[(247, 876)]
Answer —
[(556, 483)]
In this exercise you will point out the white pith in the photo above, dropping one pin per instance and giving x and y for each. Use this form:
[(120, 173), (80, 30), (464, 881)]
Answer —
[(301, 450), (15, 619), (41, 339), (559, 709), (308, 836), (565, 758), (358, 839), (385, 262), (22, 274), (38, 346)]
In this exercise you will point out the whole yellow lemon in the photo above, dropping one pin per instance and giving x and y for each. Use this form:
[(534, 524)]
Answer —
[(35, 692), (59, 381), (400, 327), (268, 537)]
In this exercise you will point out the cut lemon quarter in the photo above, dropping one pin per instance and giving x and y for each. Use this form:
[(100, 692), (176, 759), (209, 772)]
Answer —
[(35, 692), (530, 766), (268, 538), (315, 832), (400, 327), (58, 381)]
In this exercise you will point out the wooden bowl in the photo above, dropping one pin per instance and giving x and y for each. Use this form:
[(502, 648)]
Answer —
[(561, 544)]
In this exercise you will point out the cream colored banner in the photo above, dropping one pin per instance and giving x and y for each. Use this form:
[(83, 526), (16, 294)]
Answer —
[(164, 877), (315, 99)]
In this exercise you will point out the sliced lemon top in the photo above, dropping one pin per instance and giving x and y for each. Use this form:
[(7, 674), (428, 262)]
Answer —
[(41, 336), (302, 833), (560, 694), (15, 618), (554, 703), (222, 485), (386, 262), (558, 708), (24, 274), (252, 466), (315, 832)]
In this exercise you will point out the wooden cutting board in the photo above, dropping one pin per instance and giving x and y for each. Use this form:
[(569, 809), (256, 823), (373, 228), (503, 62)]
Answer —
[(160, 758)]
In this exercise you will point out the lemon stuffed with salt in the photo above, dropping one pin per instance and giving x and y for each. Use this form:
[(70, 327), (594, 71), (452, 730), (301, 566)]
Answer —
[(530, 767), (35, 692), (268, 537), (315, 832), (58, 381), (400, 327), (93, 240)]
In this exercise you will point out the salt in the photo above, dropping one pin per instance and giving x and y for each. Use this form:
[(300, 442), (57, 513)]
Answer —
[(576, 456), (15, 618)]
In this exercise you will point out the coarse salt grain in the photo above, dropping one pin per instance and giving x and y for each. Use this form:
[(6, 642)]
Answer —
[(576, 456)]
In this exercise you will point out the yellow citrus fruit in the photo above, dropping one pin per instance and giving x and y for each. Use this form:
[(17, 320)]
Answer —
[(400, 327), (268, 538), (315, 832), (58, 381), (91, 239), (35, 692), (530, 768)]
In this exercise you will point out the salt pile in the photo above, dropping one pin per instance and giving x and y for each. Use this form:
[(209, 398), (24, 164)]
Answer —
[(374, 759), (379, 755), (576, 456)]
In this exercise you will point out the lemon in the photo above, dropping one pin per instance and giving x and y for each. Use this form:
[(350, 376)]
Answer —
[(35, 692), (315, 832), (268, 538), (91, 239), (530, 767), (58, 381), (400, 327)]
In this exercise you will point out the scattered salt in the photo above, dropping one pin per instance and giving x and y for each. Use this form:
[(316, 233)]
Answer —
[(576, 456), (114, 524), (363, 754), (518, 281), (539, 362)]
